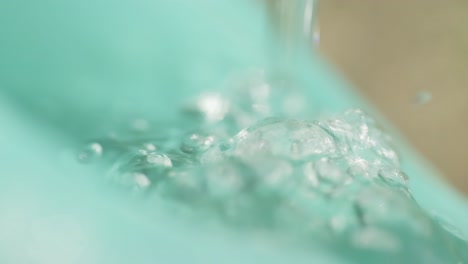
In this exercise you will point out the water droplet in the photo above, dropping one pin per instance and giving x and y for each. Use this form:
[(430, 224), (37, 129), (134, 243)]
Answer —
[(213, 107), (309, 139), (196, 143), (159, 159), (132, 180), (286, 137), (90, 152), (423, 97), (149, 147), (141, 180)]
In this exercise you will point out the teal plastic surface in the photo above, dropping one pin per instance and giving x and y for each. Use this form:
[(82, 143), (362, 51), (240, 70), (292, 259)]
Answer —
[(73, 70)]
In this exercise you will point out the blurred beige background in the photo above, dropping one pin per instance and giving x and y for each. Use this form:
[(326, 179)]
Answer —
[(391, 51)]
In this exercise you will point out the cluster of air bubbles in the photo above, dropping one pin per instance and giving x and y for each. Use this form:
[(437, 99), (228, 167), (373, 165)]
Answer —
[(334, 179)]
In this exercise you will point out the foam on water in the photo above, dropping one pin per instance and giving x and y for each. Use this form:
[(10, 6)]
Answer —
[(250, 164)]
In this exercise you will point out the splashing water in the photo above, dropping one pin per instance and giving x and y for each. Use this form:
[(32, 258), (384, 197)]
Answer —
[(251, 165)]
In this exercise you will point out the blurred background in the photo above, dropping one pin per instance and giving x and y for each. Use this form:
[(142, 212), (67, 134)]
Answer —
[(410, 59)]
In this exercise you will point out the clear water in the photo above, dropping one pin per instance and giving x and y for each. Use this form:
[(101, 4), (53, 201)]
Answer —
[(249, 158)]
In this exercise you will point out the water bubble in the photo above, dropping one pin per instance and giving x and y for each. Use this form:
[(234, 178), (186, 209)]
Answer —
[(309, 139), (146, 148), (212, 106), (196, 143), (141, 180), (253, 139), (127, 163), (159, 159), (393, 177), (90, 152), (286, 137), (149, 147), (136, 181)]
